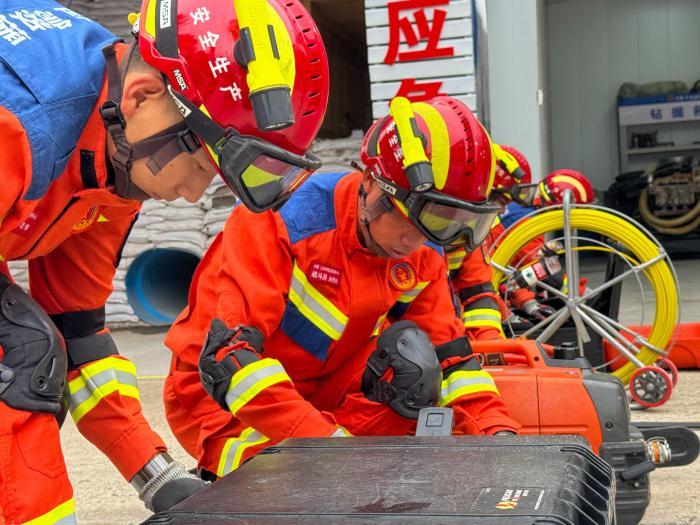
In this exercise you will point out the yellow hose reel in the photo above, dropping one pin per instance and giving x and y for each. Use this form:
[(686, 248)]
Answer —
[(643, 249)]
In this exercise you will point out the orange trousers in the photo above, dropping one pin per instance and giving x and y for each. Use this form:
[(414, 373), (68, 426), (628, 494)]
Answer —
[(33, 478)]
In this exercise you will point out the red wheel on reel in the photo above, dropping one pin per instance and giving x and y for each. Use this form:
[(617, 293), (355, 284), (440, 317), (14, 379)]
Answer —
[(669, 367), (650, 386)]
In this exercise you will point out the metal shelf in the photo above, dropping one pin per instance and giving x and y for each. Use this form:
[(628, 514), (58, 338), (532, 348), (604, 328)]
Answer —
[(663, 149)]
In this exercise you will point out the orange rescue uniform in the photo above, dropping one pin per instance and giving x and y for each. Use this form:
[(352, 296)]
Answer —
[(303, 278), (72, 238)]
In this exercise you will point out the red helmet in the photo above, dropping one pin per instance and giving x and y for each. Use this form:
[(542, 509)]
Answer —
[(251, 79), (553, 186), (435, 161), (511, 168)]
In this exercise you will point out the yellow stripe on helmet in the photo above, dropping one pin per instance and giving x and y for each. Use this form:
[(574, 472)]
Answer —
[(412, 146), (440, 142), (150, 25), (575, 183), (492, 175)]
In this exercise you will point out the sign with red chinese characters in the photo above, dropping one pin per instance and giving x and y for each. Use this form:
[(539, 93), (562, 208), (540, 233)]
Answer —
[(419, 49)]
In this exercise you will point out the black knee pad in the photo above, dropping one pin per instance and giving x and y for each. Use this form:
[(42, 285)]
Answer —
[(416, 376), (33, 368)]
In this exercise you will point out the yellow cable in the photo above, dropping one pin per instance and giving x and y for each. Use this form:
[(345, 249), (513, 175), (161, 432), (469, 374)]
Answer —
[(642, 249)]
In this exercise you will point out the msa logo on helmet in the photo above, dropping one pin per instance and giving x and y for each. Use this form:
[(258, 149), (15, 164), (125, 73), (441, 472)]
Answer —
[(180, 80), (385, 187), (180, 106), (164, 14)]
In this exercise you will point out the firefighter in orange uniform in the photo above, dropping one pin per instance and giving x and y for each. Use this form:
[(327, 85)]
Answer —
[(278, 339), (480, 305), (80, 150)]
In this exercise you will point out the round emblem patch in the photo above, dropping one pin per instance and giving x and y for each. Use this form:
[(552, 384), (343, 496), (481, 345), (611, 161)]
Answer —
[(402, 276), (87, 221)]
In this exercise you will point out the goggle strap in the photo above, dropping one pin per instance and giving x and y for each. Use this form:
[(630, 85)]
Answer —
[(379, 208), (165, 146), (204, 127)]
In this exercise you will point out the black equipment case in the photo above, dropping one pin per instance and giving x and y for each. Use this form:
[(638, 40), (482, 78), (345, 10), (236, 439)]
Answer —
[(499, 480)]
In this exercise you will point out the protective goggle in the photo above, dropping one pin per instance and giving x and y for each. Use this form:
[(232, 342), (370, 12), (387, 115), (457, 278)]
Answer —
[(261, 174), (442, 219), (523, 194)]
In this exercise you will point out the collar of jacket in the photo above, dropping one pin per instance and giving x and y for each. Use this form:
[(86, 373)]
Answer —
[(346, 216)]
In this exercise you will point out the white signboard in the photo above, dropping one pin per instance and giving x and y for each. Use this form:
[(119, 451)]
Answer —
[(419, 49), (659, 112)]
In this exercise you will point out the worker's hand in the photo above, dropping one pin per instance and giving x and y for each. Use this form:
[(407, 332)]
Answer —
[(244, 343), (537, 311)]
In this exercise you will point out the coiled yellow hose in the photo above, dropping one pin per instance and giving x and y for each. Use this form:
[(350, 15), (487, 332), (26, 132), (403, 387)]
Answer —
[(628, 235)]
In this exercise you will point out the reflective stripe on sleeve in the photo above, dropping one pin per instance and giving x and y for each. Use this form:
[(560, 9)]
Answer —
[(465, 382), (253, 379), (234, 448)]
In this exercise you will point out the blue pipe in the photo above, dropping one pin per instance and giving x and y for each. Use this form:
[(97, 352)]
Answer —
[(157, 284)]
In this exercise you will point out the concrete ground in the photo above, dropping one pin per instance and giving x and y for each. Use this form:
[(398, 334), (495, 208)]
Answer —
[(103, 497)]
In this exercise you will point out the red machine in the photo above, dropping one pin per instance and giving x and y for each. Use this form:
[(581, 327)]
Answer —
[(551, 390), (534, 385)]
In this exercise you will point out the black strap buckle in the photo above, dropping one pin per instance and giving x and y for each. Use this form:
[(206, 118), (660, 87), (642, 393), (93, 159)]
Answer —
[(188, 142), (112, 114)]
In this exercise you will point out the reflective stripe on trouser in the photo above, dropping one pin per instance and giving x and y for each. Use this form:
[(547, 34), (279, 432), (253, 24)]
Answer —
[(232, 453), (465, 382), (315, 307), (34, 484), (250, 380), (64, 514), (97, 380)]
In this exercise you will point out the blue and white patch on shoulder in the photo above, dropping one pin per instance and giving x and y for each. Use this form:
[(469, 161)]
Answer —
[(51, 71), (311, 209)]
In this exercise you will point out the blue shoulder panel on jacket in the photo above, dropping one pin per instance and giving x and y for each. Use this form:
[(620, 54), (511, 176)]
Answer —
[(311, 209), (440, 251), (51, 70), (513, 213)]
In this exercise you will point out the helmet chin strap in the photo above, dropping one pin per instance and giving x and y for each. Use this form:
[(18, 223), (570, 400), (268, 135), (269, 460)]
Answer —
[(371, 213), (160, 148)]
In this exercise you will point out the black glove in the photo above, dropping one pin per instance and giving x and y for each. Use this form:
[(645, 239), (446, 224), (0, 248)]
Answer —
[(537, 311), (216, 375)]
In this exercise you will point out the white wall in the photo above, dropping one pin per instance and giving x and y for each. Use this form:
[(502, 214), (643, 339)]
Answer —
[(596, 45), (516, 74)]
